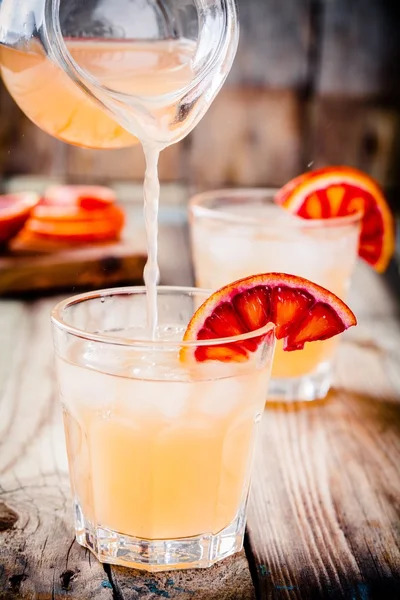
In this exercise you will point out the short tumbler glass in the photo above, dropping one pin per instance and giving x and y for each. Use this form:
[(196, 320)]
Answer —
[(236, 233), (159, 445)]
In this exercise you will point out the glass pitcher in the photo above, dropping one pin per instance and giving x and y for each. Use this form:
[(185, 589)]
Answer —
[(106, 73)]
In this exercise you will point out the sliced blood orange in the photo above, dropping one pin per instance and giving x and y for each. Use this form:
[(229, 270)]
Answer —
[(301, 311), (44, 212), (76, 214), (339, 191), (82, 227), (14, 212)]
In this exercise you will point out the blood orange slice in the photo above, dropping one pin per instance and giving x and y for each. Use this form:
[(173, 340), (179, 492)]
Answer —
[(301, 311), (339, 191), (79, 227), (14, 212), (76, 214)]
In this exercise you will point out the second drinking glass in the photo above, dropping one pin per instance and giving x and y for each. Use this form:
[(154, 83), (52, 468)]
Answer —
[(236, 233)]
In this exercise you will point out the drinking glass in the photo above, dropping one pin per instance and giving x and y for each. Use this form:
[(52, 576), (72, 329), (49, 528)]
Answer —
[(236, 233), (159, 445)]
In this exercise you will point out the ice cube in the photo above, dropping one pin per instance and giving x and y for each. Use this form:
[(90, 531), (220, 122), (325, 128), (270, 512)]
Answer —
[(220, 397), (81, 386), (235, 246), (160, 399), (176, 398)]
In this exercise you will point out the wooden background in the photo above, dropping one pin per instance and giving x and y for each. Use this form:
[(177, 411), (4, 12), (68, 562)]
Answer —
[(315, 82)]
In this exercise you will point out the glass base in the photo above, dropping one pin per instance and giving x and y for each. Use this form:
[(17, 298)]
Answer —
[(197, 552), (301, 389)]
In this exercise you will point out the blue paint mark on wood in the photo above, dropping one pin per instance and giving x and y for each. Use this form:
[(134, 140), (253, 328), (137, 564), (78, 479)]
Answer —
[(183, 591), (360, 592), (106, 584), (139, 590), (170, 583), (363, 590), (152, 586), (263, 570), (286, 588)]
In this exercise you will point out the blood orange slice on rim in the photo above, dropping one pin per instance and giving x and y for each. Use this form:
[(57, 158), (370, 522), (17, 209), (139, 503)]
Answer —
[(301, 311), (340, 191)]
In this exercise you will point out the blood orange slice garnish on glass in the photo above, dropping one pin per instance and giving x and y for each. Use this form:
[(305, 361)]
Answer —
[(340, 191), (301, 311)]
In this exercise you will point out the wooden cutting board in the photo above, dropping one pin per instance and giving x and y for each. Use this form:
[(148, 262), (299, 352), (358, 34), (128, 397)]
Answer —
[(25, 269)]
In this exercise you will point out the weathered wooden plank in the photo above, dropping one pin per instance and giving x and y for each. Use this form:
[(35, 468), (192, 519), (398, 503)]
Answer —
[(80, 269), (360, 49), (24, 148), (37, 556), (248, 137), (274, 44), (353, 132), (325, 506), (324, 516), (229, 580)]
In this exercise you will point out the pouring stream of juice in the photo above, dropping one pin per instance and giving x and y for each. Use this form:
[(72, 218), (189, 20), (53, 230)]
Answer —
[(151, 204), (58, 106)]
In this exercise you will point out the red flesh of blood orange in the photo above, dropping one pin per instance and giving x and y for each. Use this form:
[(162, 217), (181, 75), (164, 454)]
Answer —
[(340, 191), (301, 311)]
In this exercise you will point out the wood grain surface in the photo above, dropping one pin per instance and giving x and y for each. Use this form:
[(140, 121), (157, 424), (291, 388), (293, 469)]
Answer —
[(94, 267), (325, 504), (324, 518), (354, 132), (360, 49), (232, 145), (274, 44)]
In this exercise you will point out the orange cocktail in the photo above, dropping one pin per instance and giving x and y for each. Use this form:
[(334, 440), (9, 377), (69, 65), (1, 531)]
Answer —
[(239, 232), (159, 448), (160, 430)]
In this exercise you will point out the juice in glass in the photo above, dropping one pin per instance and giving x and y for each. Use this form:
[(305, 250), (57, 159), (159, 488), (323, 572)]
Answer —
[(236, 233), (159, 447)]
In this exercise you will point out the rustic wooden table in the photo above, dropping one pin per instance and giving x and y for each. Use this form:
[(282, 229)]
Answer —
[(324, 517)]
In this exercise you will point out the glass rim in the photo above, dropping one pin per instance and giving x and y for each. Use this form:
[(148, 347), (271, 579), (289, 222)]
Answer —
[(197, 208), (61, 324)]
